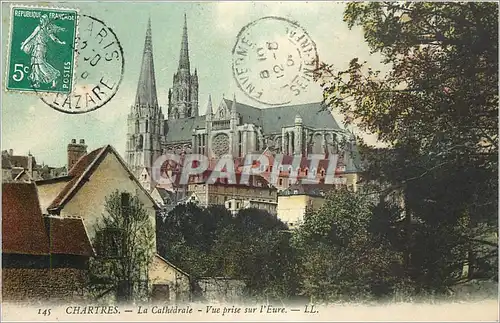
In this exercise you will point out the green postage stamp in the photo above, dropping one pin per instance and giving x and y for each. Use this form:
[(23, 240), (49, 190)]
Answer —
[(42, 53)]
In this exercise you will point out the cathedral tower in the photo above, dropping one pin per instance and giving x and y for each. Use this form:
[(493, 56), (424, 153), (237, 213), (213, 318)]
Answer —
[(183, 96), (145, 120)]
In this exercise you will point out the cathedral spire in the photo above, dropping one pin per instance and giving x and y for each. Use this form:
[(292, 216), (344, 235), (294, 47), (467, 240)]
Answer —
[(184, 56), (209, 105), (146, 88), (233, 106)]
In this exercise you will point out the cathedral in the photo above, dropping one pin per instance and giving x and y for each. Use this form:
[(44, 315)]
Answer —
[(227, 128)]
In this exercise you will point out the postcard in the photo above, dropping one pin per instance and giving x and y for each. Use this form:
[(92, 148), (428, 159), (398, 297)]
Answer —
[(249, 161)]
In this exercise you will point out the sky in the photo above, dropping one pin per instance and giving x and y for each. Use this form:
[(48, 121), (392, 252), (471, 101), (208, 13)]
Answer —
[(29, 125)]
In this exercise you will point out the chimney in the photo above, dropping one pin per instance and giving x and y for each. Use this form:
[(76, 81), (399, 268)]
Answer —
[(30, 164), (75, 152)]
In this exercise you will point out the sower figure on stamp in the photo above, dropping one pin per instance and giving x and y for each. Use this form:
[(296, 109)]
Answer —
[(36, 46)]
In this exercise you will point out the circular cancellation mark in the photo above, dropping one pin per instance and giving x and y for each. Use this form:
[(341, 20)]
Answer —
[(274, 60), (98, 72)]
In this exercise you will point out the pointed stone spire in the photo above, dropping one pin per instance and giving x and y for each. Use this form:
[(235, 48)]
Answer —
[(233, 106), (184, 56), (146, 88), (209, 104), (209, 108)]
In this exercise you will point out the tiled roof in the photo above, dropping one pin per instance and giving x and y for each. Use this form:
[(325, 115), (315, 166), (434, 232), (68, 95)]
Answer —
[(304, 162), (6, 162), (68, 236), (21, 161), (270, 119), (239, 163), (47, 172), (319, 189), (23, 230), (273, 119), (182, 129), (76, 172), (166, 195), (26, 231), (82, 170), (312, 114), (171, 265), (248, 113), (21, 174)]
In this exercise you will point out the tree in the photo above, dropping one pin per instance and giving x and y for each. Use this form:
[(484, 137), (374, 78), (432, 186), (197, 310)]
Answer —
[(253, 246), (124, 241), (340, 258), (436, 108), (187, 235), (257, 249)]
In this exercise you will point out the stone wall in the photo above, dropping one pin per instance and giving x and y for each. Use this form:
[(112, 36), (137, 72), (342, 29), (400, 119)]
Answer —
[(220, 289), (42, 284)]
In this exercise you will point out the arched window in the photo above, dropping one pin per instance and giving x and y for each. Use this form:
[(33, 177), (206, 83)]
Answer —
[(322, 172), (147, 125), (306, 171)]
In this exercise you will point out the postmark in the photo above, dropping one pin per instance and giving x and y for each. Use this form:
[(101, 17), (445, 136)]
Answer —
[(99, 71), (273, 60), (41, 56)]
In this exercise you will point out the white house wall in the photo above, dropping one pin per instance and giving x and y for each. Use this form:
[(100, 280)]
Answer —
[(89, 202)]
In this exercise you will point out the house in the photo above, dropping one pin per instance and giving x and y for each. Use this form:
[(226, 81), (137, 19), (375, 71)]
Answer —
[(257, 193), (213, 187), (21, 168), (163, 197), (43, 257), (346, 171), (14, 166), (294, 201), (169, 282), (93, 177), (6, 167), (146, 180)]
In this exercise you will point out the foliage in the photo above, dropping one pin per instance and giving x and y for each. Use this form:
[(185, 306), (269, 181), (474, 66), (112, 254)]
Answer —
[(263, 256), (187, 236), (341, 259), (436, 108), (252, 246), (124, 240), (427, 216)]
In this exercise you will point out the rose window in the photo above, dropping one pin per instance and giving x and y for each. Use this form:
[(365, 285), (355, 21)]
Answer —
[(220, 144)]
